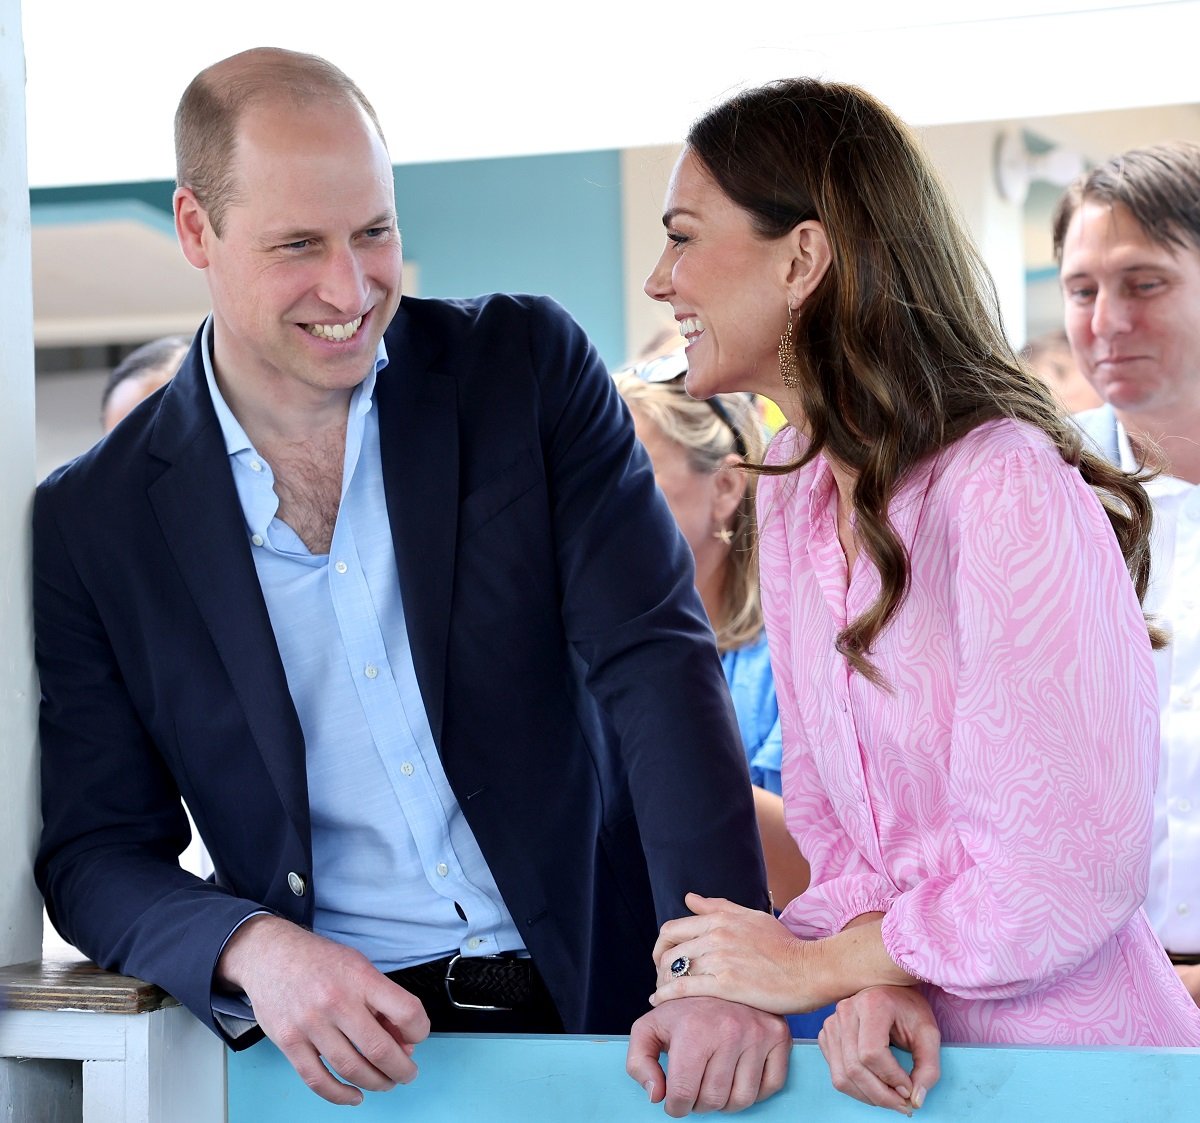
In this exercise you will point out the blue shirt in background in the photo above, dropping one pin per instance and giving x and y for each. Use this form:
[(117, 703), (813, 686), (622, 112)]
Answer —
[(748, 672)]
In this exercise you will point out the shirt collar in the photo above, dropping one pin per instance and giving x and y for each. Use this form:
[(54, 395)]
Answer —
[(231, 429)]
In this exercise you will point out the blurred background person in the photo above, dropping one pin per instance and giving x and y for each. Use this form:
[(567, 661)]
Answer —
[(138, 375), (1127, 240), (1049, 357)]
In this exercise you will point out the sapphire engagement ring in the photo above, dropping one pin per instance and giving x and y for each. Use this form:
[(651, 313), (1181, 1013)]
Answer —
[(680, 967)]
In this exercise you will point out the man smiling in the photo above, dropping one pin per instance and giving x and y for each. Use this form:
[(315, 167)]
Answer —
[(384, 591), (1127, 238)]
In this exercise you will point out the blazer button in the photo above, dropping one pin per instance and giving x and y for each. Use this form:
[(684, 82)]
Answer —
[(297, 884)]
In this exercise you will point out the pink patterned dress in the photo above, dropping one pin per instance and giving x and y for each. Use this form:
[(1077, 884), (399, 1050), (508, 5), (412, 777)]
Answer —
[(996, 806)]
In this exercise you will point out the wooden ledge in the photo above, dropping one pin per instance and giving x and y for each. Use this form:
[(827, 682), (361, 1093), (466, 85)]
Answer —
[(48, 984)]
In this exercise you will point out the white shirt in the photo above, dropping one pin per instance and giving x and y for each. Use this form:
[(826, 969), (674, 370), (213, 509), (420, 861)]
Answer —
[(1173, 902)]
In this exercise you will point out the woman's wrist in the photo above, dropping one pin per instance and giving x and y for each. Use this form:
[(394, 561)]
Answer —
[(816, 985)]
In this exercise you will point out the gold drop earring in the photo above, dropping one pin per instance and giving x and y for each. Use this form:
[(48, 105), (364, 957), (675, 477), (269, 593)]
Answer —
[(789, 371)]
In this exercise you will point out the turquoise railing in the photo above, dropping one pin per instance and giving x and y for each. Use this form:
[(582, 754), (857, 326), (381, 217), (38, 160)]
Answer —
[(498, 1079)]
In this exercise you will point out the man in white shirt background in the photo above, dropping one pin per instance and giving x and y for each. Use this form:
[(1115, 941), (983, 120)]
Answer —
[(1127, 239)]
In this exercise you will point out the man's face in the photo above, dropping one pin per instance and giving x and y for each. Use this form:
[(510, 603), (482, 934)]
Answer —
[(1132, 313), (306, 273)]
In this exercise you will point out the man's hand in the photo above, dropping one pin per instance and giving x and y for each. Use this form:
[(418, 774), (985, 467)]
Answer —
[(855, 1040), (1190, 976), (318, 999), (723, 1056)]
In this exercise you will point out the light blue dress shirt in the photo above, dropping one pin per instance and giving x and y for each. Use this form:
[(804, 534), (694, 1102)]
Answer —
[(397, 872)]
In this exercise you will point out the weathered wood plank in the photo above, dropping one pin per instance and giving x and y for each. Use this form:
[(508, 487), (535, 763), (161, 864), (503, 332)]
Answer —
[(77, 985)]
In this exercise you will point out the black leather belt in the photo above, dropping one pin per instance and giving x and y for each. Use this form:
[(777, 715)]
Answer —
[(1184, 959), (478, 982)]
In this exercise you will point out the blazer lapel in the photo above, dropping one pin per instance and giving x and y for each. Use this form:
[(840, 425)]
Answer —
[(418, 436), (200, 515)]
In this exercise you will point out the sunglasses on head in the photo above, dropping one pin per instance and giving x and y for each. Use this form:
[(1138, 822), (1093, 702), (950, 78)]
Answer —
[(671, 368)]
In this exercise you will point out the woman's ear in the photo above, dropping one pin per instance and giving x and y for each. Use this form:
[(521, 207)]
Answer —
[(729, 488), (809, 258)]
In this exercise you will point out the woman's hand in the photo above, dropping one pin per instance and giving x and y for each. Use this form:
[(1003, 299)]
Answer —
[(855, 1040), (734, 953)]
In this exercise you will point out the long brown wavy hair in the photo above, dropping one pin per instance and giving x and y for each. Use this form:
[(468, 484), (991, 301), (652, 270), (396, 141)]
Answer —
[(900, 350)]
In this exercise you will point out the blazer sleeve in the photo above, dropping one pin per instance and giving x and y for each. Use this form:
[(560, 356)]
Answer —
[(113, 821), (631, 612)]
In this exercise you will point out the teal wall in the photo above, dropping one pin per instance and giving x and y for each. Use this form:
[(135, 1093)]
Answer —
[(544, 224)]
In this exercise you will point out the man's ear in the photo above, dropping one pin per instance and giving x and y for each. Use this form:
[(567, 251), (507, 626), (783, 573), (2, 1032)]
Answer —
[(192, 227), (809, 259)]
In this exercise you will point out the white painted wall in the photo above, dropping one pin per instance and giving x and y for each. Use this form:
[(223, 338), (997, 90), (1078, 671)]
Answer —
[(644, 175), (963, 155)]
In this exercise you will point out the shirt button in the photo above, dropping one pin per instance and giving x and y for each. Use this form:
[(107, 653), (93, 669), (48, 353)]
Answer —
[(340, 567), (407, 768), (255, 466), (475, 942), (1182, 908), (442, 869), (1183, 806), (296, 883), (257, 539), (371, 671), (1186, 698)]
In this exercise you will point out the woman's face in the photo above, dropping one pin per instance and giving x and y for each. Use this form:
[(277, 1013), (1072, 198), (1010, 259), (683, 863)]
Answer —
[(726, 284)]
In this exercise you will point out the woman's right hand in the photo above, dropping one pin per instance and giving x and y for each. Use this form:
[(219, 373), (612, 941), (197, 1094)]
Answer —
[(855, 1042)]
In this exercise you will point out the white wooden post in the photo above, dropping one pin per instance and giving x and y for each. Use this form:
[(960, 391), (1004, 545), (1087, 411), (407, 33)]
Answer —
[(47, 1089), (20, 908), (161, 1066)]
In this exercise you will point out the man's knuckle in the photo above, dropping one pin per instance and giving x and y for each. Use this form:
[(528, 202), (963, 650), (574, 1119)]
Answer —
[(740, 1099), (290, 1038), (314, 1078), (378, 1052)]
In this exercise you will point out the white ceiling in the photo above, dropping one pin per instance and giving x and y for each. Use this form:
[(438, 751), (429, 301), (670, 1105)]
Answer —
[(473, 78)]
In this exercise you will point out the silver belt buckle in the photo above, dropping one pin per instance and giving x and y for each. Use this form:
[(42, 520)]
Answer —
[(468, 1005)]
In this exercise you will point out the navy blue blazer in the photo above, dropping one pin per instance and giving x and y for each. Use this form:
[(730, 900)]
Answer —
[(564, 659)]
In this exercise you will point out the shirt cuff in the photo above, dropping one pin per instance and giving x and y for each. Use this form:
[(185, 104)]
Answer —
[(233, 1012)]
